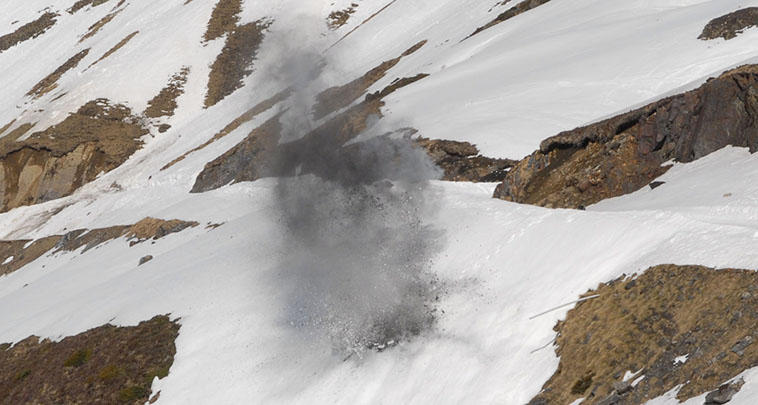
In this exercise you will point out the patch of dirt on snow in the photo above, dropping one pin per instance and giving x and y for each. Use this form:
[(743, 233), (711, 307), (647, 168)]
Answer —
[(338, 97), (80, 4), (518, 9), (235, 62), (17, 254), (108, 364), (248, 116), (53, 163), (28, 31), (164, 104), (337, 19), (731, 25), (96, 27), (18, 132), (648, 324), (622, 154), (115, 48), (224, 19), (50, 82)]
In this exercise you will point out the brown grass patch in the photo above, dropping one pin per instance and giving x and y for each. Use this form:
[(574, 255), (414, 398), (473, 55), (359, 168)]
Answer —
[(338, 97), (18, 132), (644, 324), (107, 364), (224, 19), (518, 9), (337, 19), (50, 82), (236, 123), (235, 61), (96, 27), (84, 3), (20, 256), (28, 31), (5, 128), (164, 104), (113, 50)]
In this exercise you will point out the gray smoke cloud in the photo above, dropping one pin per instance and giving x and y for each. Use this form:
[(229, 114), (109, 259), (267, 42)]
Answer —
[(357, 253)]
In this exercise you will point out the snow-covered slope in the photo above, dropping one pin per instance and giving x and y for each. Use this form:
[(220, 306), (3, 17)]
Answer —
[(555, 67)]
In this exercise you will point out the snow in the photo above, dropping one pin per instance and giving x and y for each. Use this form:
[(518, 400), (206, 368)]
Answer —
[(558, 66), (681, 359), (8, 260)]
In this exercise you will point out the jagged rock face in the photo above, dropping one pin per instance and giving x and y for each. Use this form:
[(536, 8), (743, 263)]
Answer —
[(731, 25), (690, 327), (461, 161), (622, 154), (108, 364), (55, 162)]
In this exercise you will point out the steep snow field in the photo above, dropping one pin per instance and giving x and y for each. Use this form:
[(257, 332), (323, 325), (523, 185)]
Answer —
[(558, 66)]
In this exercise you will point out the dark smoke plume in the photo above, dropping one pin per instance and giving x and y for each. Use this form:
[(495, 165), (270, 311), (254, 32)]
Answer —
[(357, 254)]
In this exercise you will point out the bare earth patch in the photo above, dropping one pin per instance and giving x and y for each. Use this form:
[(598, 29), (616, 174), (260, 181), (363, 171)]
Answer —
[(224, 19), (96, 27), (50, 82), (731, 25), (236, 123), (115, 48), (518, 9), (235, 62), (28, 31), (337, 19), (687, 326), (80, 4), (338, 97), (108, 364), (164, 104)]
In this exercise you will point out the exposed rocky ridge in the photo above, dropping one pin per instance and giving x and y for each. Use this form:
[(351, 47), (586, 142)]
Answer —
[(461, 161), (624, 153), (18, 253), (53, 163), (520, 8), (338, 97), (28, 31), (96, 27), (645, 323), (730, 25), (108, 364), (236, 123)]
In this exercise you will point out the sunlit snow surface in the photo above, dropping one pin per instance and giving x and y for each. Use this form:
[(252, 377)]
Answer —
[(553, 68)]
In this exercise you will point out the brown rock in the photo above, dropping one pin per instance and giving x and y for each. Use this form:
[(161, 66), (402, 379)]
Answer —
[(730, 25)]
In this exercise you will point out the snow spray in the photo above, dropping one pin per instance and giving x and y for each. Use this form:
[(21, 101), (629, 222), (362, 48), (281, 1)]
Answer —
[(357, 253)]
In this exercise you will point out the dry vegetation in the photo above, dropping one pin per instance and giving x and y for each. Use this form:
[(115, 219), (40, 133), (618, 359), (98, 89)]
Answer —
[(337, 19), (520, 8), (731, 25), (96, 27), (164, 104), (80, 4), (108, 364), (645, 324), (28, 31), (224, 19), (338, 97), (115, 48), (50, 82), (236, 123), (235, 62)]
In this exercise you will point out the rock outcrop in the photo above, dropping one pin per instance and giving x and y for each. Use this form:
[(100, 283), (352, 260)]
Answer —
[(674, 326), (623, 154), (731, 25), (461, 161), (55, 162)]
